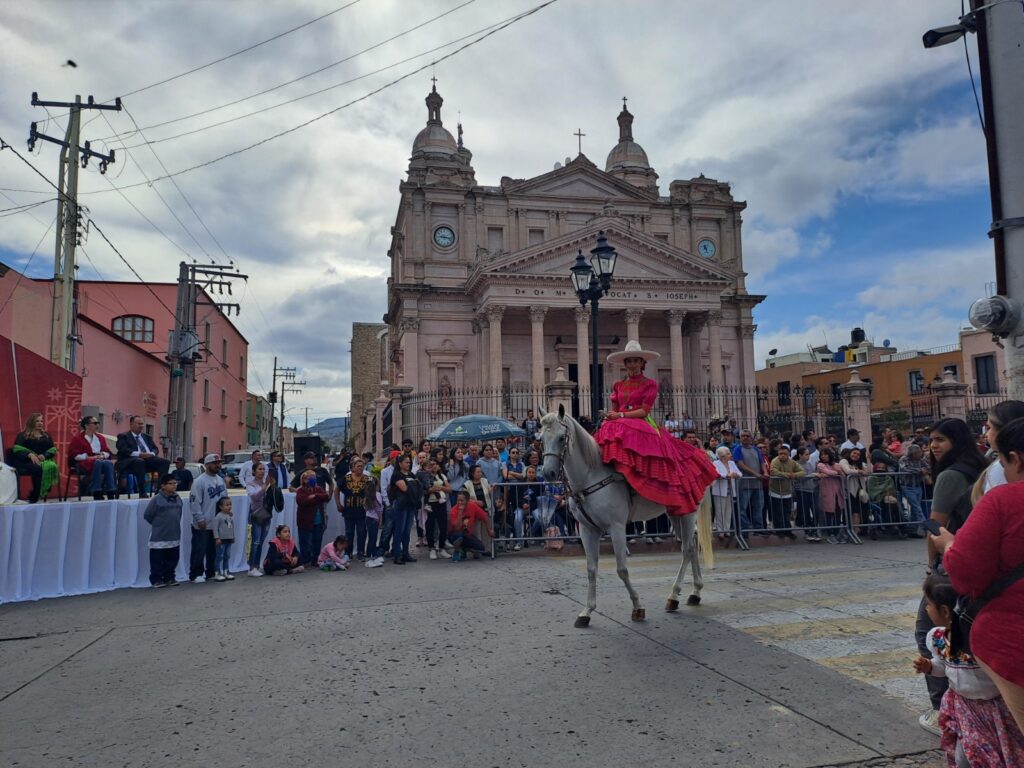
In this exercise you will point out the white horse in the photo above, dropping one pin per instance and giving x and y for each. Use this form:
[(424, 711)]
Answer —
[(601, 500)]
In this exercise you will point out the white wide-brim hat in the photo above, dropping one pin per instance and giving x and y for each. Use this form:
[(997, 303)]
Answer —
[(633, 350)]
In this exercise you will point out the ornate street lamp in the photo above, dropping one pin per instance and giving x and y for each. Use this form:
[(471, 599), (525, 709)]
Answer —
[(591, 280)]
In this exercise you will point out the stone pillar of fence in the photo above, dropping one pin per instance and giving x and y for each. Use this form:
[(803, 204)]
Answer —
[(367, 431), (398, 394), (378, 437), (857, 405), (559, 391), (952, 397)]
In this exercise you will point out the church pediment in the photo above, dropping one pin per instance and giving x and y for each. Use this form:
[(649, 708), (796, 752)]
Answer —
[(579, 179), (640, 257)]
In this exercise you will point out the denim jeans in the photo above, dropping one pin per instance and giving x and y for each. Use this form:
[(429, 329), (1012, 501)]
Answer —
[(372, 526), (259, 535), (752, 494), (222, 557), (466, 543), (403, 514), (913, 496), (202, 555), (310, 541), (437, 525), (102, 478), (387, 528), (355, 531)]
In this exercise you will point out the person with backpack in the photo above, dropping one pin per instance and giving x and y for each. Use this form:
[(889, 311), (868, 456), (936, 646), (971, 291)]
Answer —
[(956, 464), (985, 561), (406, 495)]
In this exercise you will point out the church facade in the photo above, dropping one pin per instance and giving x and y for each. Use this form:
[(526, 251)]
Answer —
[(480, 299)]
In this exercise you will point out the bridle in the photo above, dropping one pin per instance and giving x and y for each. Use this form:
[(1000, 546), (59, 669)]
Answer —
[(580, 495)]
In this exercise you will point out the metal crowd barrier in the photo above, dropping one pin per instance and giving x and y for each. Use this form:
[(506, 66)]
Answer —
[(891, 502)]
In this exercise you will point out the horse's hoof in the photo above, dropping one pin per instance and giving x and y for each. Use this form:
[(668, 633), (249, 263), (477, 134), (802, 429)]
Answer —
[(639, 614), (693, 600), (582, 622), (671, 605)]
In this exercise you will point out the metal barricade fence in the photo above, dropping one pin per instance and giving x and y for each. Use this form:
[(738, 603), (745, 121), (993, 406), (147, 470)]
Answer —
[(837, 509)]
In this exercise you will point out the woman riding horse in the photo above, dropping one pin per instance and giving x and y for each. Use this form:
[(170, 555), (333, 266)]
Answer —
[(657, 465)]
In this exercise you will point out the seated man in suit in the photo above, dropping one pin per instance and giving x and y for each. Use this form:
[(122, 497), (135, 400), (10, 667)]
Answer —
[(137, 455)]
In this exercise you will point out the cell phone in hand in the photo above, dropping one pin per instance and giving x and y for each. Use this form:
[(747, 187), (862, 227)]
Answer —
[(933, 526)]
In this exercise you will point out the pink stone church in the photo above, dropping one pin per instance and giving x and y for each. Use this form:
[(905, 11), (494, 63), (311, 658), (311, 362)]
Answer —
[(480, 298)]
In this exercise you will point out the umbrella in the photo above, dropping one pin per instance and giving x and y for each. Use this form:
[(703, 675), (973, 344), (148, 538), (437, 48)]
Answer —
[(475, 426)]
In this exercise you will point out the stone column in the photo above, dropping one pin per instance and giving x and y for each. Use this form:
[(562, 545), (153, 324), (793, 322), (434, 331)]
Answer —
[(715, 376), (675, 335), (633, 324), (411, 352), (428, 235), (368, 443), (494, 315), (857, 404), (952, 397), (583, 358), (695, 371), (379, 405), (397, 395), (559, 392), (749, 415), (537, 349), (485, 349)]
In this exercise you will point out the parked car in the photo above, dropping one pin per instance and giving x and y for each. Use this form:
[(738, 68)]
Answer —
[(232, 463)]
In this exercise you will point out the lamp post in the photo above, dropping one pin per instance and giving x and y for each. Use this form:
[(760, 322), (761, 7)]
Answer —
[(591, 280)]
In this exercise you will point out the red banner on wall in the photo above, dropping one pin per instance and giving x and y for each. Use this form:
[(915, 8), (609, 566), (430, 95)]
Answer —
[(32, 384)]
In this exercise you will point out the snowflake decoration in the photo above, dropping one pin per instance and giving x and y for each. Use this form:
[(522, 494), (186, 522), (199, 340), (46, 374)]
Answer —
[(55, 394)]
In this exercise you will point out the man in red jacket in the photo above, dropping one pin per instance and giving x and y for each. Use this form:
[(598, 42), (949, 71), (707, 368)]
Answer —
[(465, 514)]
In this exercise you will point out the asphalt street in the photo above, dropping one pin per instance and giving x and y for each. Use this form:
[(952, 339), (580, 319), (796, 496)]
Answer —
[(799, 656)]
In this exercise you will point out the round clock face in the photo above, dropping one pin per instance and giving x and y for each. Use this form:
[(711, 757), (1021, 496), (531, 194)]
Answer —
[(444, 237), (706, 248)]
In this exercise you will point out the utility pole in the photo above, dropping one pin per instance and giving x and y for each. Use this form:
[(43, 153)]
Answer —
[(289, 384), (69, 222), (185, 348), (287, 374), (1000, 28), (306, 409)]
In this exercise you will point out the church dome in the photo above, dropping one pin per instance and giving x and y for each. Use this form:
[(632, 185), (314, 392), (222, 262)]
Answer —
[(434, 138), (627, 155)]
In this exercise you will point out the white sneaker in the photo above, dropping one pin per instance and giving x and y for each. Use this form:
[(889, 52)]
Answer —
[(200, 579), (444, 553), (516, 547), (220, 577), (255, 572), (433, 554), (229, 576), (376, 562), (930, 722)]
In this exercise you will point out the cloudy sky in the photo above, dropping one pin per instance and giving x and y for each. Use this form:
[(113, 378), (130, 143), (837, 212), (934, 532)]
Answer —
[(859, 152)]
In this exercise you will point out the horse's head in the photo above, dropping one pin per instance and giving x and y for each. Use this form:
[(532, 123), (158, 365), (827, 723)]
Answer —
[(554, 436)]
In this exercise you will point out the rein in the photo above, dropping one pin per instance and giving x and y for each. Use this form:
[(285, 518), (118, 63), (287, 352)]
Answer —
[(581, 494)]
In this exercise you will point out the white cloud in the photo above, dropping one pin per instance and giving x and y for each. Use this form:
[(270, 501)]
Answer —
[(796, 104)]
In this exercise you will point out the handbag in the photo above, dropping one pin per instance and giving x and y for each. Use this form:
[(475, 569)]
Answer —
[(262, 514), (967, 609), (862, 494)]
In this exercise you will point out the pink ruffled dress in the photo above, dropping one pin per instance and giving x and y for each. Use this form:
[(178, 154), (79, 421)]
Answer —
[(659, 467)]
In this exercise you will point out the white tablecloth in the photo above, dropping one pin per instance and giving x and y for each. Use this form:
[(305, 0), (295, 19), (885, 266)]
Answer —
[(78, 547)]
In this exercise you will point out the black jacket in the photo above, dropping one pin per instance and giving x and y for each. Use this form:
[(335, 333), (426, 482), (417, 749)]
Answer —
[(127, 444)]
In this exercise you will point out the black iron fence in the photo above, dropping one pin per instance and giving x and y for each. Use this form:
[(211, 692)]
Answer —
[(705, 410)]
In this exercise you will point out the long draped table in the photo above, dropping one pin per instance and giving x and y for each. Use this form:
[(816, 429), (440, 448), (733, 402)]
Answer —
[(79, 547)]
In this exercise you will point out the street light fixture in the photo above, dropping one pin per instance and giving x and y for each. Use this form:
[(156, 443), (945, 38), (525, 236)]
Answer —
[(933, 38), (591, 280)]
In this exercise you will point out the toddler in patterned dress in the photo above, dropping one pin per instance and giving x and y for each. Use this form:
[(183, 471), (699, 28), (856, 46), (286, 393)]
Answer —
[(978, 730)]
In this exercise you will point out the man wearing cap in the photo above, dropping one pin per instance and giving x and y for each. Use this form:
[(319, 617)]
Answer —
[(207, 490), (323, 477)]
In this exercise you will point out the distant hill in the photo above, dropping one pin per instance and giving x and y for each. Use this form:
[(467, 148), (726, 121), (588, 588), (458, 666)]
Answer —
[(332, 429)]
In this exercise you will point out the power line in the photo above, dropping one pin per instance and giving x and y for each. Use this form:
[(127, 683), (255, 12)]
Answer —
[(319, 91), (180, 191), (23, 208), (265, 91), (121, 256), (364, 97), (166, 205)]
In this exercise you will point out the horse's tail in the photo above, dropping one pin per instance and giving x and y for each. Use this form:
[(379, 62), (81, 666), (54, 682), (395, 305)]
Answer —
[(704, 537)]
